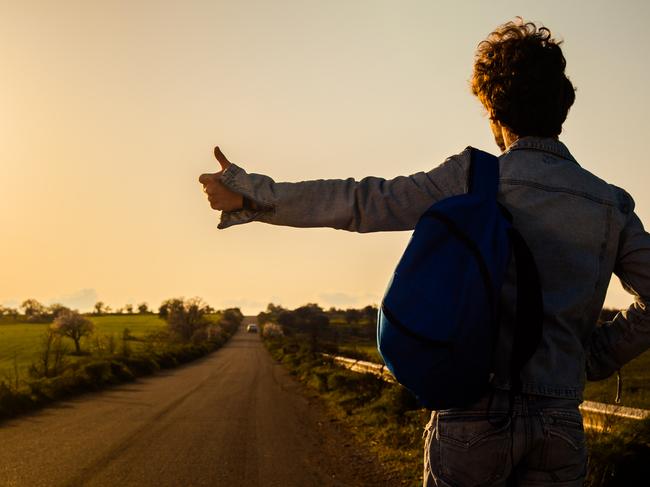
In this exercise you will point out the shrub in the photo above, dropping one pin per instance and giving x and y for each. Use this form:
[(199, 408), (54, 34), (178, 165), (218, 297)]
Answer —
[(121, 372), (98, 373), (141, 365), (272, 330)]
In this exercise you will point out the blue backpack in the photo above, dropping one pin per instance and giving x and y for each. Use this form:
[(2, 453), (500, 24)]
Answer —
[(438, 322)]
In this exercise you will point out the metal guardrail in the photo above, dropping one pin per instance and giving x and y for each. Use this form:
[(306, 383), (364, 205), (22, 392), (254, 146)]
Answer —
[(601, 416), (361, 366), (596, 415)]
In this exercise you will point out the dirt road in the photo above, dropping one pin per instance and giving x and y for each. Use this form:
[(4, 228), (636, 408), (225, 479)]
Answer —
[(232, 419)]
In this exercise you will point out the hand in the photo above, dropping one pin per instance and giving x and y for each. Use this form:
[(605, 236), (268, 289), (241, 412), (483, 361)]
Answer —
[(220, 197)]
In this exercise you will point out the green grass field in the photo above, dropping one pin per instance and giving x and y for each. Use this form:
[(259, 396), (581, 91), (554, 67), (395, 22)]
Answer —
[(19, 342)]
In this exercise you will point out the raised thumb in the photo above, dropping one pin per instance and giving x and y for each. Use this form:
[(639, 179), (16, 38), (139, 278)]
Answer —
[(221, 158)]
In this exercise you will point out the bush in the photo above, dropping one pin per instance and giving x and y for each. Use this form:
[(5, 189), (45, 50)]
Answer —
[(121, 372), (272, 330), (98, 373), (140, 364)]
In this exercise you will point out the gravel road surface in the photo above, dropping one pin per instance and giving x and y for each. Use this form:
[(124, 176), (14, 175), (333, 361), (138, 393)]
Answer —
[(234, 418)]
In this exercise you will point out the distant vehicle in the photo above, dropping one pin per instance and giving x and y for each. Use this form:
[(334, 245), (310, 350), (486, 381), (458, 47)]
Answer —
[(251, 328)]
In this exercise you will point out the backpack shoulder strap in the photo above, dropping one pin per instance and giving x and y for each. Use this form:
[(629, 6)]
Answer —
[(529, 315), (529, 309), (483, 178)]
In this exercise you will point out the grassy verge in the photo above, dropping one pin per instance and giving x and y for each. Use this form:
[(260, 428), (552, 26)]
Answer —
[(382, 415), (92, 372), (620, 458), (387, 418)]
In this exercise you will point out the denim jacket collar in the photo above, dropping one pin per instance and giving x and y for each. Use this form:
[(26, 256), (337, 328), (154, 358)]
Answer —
[(545, 144)]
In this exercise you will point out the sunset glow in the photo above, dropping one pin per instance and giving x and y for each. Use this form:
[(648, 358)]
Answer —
[(109, 112)]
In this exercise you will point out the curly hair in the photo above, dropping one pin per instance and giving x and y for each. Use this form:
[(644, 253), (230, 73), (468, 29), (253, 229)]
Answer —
[(519, 78)]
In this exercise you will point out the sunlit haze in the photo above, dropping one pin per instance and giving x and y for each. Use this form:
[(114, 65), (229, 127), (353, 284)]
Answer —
[(109, 112)]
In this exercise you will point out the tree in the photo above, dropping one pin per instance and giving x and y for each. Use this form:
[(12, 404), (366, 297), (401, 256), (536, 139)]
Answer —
[(353, 316), (168, 305), (287, 319), (185, 317), (272, 313), (231, 319), (54, 310), (232, 316), (312, 319), (33, 310), (370, 313), (7, 311), (13, 312), (100, 308), (74, 326), (129, 309), (311, 314), (143, 308)]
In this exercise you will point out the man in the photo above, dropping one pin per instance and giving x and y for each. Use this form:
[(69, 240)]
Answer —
[(579, 228)]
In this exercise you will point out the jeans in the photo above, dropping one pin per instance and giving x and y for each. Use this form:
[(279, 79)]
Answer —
[(538, 441)]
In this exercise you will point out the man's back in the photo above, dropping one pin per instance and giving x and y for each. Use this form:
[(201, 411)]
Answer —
[(571, 221)]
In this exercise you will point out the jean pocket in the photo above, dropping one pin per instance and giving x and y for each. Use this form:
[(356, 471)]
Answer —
[(472, 449), (566, 426), (564, 457)]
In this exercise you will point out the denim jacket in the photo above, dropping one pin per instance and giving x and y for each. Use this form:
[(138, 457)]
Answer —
[(579, 228)]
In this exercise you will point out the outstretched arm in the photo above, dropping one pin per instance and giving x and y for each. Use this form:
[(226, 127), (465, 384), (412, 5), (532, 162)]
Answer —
[(370, 205)]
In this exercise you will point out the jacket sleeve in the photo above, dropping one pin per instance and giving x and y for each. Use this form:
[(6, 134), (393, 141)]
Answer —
[(616, 342), (372, 204)]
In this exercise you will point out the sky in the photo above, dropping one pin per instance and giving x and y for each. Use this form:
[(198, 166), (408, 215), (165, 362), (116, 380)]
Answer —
[(109, 112)]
